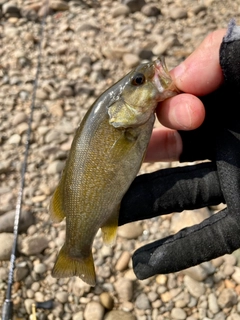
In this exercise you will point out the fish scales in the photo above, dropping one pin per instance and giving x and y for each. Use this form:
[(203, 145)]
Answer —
[(105, 156)]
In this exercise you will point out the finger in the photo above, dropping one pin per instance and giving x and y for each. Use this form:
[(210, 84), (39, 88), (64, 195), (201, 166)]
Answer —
[(210, 239), (182, 112), (201, 73), (171, 190), (165, 145)]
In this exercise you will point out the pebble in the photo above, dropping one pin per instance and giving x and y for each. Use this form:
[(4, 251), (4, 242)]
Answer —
[(200, 272), (3, 274), (62, 296), (19, 118), (178, 313), (131, 60), (227, 298), (21, 271), (40, 268), (195, 288), (120, 10), (55, 167), (14, 139), (188, 218), (150, 10), (33, 244), (107, 300), (5, 251), (134, 5), (94, 310), (124, 288), (58, 5), (131, 230), (178, 13), (123, 261), (212, 303), (28, 305), (142, 302), (235, 274), (10, 9), (7, 221), (119, 315)]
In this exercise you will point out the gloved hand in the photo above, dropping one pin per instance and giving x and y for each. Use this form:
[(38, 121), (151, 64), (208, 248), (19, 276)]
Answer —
[(196, 186)]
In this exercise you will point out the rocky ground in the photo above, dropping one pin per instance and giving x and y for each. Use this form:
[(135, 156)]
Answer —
[(88, 45)]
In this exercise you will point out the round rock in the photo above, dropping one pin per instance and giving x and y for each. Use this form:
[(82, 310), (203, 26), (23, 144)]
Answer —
[(119, 315), (106, 300), (94, 310)]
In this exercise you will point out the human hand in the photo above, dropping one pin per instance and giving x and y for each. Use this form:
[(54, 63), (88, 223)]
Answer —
[(192, 187), (198, 75)]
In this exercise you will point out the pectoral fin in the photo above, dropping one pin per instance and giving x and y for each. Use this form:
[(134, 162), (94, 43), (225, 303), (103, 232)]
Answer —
[(56, 207), (109, 230)]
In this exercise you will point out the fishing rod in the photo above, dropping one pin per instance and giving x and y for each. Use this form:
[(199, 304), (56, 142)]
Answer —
[(7, 310)]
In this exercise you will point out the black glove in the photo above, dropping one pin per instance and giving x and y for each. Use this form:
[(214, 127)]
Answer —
[(201, 185)]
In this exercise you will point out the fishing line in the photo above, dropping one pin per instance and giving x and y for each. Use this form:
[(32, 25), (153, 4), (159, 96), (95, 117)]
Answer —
[(7, 310)]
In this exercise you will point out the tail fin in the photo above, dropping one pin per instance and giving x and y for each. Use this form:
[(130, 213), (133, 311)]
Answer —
[(67, 266)]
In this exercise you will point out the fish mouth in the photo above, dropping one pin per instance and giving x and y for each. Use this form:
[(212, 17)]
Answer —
[(163, 80)]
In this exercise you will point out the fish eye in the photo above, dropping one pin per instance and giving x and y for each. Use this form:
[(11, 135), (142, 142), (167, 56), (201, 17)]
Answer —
[(138, 79)]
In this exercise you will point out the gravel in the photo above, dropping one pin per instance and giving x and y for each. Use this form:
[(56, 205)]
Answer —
[(87, 46)]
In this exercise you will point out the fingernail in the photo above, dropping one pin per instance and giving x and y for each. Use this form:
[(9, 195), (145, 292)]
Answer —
[(179, 70)]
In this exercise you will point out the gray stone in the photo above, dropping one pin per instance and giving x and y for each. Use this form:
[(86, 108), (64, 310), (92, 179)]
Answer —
[(33, 244), (130, 230), (40, 268), (178, 313), (62, 296), (21, 271), (5, 167), (230, 259), (3, 274), (94, 310), (178, 13), (234, 316), (212, 303), (142, 302), (130, 60), (119, 315), (7, 221), (198, 8), (6, 249), (195, 288), (236, 274), (78, 316), (10, 9), (227, 298), (28, 305), (124, 288), (188, 218), (58, 5), (134, 5), (19, 118), (150, 10), (120, 10), (55, 167)]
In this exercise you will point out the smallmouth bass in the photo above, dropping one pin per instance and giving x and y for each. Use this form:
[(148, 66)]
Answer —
[(105, 156)]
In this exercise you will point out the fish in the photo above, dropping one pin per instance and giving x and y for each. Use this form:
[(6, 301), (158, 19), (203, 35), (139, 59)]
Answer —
[(106, 154)]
